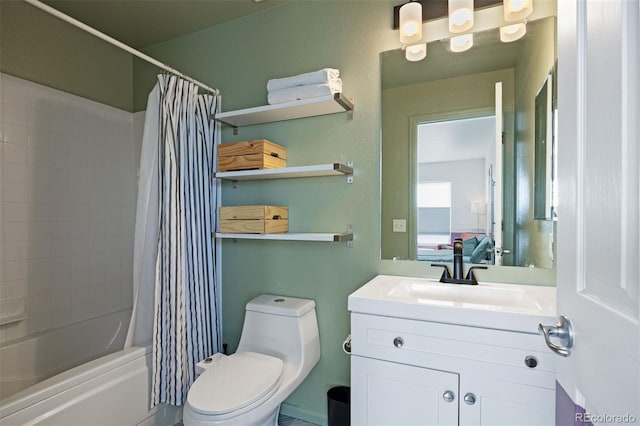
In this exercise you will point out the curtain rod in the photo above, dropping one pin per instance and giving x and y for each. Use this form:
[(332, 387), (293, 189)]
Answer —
[(117, 43)]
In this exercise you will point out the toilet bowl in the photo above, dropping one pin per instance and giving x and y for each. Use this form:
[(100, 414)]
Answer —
[(278, 348)]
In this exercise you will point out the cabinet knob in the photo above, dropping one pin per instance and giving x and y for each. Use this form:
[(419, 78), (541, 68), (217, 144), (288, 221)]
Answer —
[(449, 396), (531, 361), (470, 399), (398, 342)]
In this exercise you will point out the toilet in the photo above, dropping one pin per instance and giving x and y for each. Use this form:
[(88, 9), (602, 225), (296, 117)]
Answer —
[(278, 348)]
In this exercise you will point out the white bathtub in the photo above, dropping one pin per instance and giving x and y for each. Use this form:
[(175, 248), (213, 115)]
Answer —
[(35, 358), (112, 390)]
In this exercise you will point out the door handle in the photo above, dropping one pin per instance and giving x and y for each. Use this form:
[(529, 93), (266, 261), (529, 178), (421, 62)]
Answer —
[(563, 330)]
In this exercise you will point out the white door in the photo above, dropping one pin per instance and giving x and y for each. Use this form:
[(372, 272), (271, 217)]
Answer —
[(497, 176), (598, 226)]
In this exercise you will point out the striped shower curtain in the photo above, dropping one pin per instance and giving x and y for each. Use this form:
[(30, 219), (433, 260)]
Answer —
[(187, 301)]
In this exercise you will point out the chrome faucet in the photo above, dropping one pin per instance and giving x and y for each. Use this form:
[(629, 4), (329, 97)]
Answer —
[(458, 267)]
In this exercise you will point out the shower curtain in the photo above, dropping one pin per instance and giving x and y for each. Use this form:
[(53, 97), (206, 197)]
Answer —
[(177, 302)]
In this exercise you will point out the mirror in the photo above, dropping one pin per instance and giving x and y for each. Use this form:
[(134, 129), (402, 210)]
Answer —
[(444, 171), (546, 155)]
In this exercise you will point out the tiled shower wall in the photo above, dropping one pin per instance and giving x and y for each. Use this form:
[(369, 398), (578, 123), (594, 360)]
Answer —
[(67, 216)]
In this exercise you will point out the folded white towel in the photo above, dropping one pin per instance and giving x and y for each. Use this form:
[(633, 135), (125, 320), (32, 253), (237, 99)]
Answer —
[(304, 92), (322, 76)]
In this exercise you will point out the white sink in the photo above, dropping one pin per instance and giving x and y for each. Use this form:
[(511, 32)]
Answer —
[(500, 306)]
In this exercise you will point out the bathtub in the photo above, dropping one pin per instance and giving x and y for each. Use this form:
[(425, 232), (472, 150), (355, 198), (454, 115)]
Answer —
[(35, 358), (112, 390)]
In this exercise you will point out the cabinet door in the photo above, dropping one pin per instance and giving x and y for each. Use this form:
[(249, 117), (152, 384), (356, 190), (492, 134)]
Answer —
[(496, 402), (387, 393)]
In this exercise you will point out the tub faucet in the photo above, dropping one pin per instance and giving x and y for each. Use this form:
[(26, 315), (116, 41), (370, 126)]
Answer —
[(458, 268)]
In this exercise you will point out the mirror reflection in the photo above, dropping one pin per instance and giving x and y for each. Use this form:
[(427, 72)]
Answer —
[(468, 151)]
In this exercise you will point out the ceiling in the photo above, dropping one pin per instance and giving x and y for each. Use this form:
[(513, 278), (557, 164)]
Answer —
[(141, 23)]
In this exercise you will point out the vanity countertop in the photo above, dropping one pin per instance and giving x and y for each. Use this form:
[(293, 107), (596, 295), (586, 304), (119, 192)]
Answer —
[(488, 305)]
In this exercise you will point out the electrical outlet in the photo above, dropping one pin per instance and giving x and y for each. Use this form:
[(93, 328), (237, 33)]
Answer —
[(399, 225)]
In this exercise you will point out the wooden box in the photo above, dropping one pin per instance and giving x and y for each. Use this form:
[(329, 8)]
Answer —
[(254, 154), (254, 220)]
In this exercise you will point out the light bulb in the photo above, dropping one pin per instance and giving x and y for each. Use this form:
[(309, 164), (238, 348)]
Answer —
[(416, 52), (461, 43), (517, 10), (410, 23), (512, 32), (460, 15)]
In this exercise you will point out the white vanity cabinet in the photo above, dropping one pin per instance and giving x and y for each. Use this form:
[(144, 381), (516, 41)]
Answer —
[(415, 372)]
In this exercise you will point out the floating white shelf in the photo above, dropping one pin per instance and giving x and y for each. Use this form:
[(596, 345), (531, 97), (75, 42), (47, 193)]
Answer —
[(331, 169), (330, 237), (286, 111)]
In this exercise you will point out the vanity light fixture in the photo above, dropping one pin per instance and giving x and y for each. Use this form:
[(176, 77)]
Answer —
[(512, 32), (517, 10), (460, 15), (461, 43), (411, 23), (416, 52)]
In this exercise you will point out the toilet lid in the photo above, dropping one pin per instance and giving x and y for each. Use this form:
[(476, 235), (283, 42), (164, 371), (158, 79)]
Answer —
[(233, 382)]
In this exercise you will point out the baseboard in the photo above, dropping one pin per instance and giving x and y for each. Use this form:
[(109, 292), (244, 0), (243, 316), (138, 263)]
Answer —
[(163, 415), (307, 416)]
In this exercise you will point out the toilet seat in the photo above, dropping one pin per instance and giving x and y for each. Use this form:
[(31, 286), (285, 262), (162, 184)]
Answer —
[(234, 382)]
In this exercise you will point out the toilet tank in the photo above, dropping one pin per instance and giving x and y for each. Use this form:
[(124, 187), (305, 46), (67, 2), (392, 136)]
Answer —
[(281, 326)]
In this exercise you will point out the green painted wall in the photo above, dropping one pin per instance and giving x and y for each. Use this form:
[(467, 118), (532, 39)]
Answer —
[(38, 47), (239, 58)]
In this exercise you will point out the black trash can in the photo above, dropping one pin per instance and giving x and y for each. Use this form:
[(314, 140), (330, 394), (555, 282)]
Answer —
[(339, 406)]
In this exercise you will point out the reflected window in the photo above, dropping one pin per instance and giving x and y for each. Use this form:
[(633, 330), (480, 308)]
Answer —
[(434, 214)]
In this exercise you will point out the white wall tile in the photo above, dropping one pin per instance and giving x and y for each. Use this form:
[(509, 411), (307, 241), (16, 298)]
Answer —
[(16, 250), (61, 317), (61, 141), (39, 231), (15, 173), (39, 137), (39, 175), (40, 249), (15, 114), (15, 212), (68, 204), (41, 193), (39, 286), (80, 245), (16, 269), (39, 157), (15, 231), (39, 211), (15, 134), (61, 177), (61, 247), (16, 192), (15, 289), (60, 265), (14, 153)]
